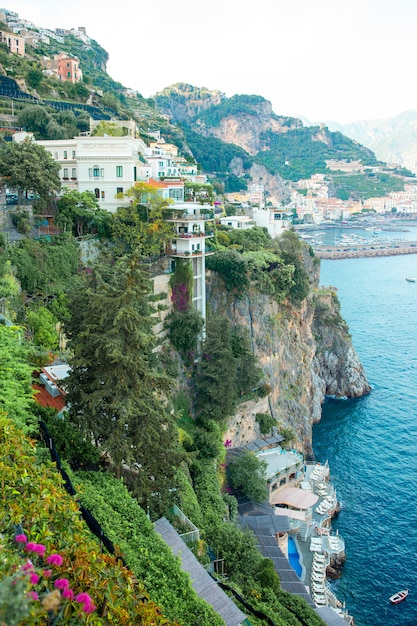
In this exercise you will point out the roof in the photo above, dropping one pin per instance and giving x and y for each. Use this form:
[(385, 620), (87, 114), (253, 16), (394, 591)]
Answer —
[(204, 585), (57, 372), (44, 398), (293, 496)]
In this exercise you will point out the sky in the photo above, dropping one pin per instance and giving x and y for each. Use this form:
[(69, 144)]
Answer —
[(321, 60)]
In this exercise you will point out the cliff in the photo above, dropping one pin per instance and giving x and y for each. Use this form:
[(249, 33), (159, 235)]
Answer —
[(305, 353)]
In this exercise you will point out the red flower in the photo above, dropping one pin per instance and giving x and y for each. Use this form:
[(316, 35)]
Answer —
[(34, 578), (68, 593), (21, 538)]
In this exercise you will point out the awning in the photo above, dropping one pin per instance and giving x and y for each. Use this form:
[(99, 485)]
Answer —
[(292, 496), (291, 513)]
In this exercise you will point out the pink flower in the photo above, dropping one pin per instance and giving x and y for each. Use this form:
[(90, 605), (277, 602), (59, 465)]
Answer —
[(28, 566), (21, 538), (47, 573), (30, 546), (68, 593), (33, 595), (88, 607), (62, 583), (84, 598), (39, 549), (34, 578), (55, 559)]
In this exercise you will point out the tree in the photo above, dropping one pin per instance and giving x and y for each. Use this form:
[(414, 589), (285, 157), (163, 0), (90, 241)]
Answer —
[(141, 226), (248, 474), (27, 166), (42, 324), (79, 212), (115, 389), (290, 248), (35, 119), (215, 380)]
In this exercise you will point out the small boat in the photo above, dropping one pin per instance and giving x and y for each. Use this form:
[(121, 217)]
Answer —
[(399, 597), (411, 279)]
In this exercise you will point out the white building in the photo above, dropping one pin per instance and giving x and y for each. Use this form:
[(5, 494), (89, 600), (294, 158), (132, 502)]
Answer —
[(241, 222), (106, 166), (189, 219), (273, 219)]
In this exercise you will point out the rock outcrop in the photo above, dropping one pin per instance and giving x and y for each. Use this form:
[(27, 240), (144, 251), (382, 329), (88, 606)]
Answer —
[(305, 353)]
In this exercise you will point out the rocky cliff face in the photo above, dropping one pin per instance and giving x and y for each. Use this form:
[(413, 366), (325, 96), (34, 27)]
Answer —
[(305, 354)]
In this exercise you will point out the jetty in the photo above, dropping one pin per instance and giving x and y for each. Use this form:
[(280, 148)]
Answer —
[(365, 250)]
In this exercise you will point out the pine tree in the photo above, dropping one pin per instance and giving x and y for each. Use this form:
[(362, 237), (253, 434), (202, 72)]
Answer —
[(115, 388)]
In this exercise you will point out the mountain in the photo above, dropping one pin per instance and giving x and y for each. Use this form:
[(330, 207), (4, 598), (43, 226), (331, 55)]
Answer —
[(282, 144), (393, 139)]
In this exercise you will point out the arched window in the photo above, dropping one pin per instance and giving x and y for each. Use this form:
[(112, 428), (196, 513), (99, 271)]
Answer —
[(96, 171), (97, 192)]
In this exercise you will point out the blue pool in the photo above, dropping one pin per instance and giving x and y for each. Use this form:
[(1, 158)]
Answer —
[(294, 557)]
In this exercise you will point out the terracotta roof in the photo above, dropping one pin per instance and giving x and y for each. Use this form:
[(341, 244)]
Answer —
[(45, 399)]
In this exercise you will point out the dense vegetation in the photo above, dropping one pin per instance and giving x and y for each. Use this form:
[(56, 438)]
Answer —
[(213, 154), (367, 185)]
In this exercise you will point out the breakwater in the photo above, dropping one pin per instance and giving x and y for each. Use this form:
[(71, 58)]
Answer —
[(366, 251)]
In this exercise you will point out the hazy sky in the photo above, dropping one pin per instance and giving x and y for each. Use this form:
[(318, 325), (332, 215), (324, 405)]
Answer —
[(325, 60)]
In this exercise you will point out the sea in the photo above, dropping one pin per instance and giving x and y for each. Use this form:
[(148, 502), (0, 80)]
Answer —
[(371, 442)]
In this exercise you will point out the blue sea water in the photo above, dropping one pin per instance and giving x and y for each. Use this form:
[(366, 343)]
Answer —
[(371, 443)]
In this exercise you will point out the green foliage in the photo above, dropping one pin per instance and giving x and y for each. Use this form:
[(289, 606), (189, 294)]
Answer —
[(233, 269), (215, 379), (366, 185), (266, 422), (115, 388), (184, 330), (22, 220), (150, 559), (70, 442), (28, 166), (79, 213), (208, 440), (248, 474), (302, 152), (213, 154), (141, 227), (57, 525), (45, 267), (16, 393), (290, 248), (42, 325)]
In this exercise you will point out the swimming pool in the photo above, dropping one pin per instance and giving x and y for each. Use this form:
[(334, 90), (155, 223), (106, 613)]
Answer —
[(294, 557)]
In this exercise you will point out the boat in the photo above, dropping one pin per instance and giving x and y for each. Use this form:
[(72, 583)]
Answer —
[(399, 597), (411, 279)]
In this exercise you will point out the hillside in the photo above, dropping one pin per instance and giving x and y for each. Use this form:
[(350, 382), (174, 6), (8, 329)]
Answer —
[(282, 144), (393, 139)]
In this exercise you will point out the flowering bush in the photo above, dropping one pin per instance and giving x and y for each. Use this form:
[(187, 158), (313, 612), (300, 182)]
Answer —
[(55, 572)]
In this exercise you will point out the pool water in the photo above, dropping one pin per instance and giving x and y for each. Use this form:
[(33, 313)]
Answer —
[(294, 557)]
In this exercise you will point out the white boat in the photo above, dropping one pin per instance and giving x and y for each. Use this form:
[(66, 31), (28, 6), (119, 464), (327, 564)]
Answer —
[(411, 279), (399, 597)]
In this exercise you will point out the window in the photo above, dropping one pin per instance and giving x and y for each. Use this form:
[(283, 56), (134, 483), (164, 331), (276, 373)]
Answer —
[(90, 172), (65, 172), (119, 171), (56, 156), (65, 154), (119, 190), (96, 171), (74, 172), (73, 154), (97, 193), (102, 172), (103, 195)]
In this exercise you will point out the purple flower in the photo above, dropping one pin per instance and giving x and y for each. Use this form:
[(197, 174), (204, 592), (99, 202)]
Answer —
[(62, 583), (68, 593), (227, 443), (21, 538), (34, 578), (55, 559)]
